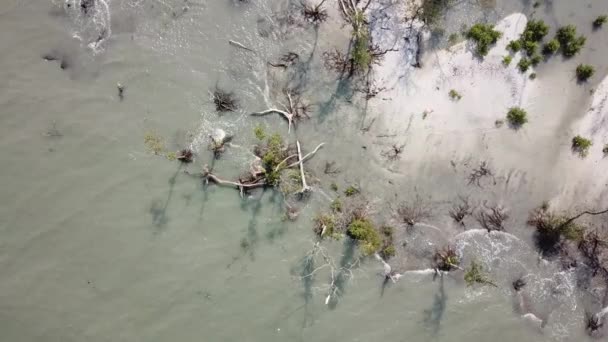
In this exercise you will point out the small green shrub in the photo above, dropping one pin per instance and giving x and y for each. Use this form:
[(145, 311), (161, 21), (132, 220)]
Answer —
[(454, 95), (517, 117), (600, 21), (584, 72), (453, 38), (475, 275), (483, 35), (506, 60), (514, 45), (498, 123), (524, 64), (530, 47), (532, 76), (388, 252), (581, 145), (535, 31), (535, 60), (351, 191), (605, 150), (364, 231), (432, 10), (260, 132), (551, 47), (336, 205), (568, 40), (324, 225), (333, 186)]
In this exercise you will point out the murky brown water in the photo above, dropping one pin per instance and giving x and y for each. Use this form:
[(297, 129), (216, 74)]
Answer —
[(102, 241)]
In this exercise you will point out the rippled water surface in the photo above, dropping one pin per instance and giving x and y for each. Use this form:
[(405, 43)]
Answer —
[(100, 240)]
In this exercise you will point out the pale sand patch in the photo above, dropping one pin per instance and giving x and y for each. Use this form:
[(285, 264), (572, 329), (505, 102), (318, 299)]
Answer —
[(586, 178), (533, 163)]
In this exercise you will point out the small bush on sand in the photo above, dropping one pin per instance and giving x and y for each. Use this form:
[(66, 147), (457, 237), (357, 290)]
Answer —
[(506, 60), (454, 95), (581, 145), (351, 191), (483, 35), (517, 117), (584, 72)]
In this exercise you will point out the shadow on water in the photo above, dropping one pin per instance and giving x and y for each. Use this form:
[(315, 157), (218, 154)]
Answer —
[(158, 209), (346, 263), (277, 230), (433, 316)]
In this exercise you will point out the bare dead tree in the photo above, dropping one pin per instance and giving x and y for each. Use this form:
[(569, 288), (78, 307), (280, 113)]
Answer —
[(337, 61), (394, 152), (286, 60), (318, 260), (315, 14), (295, 110), (414, 211), (461, 209), (479, 173), (330, 168), (492, 218), (369, 89), (224, 101)]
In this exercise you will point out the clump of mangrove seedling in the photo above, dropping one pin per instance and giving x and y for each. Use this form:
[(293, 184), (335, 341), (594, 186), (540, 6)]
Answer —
[(600, 21), (506, 60), (334, 187), (446, 260), (454, 95), (224, 101), (482, 171), (492, 218), (605, 150), (517, 117), (461, 210), (475, 275), (532, 76), (364, 231), (185, 156), (414, 211), (483, 35), (315, 14), (351, 191), (155, 143), (569, 42), (584, 72), (581, 145)]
